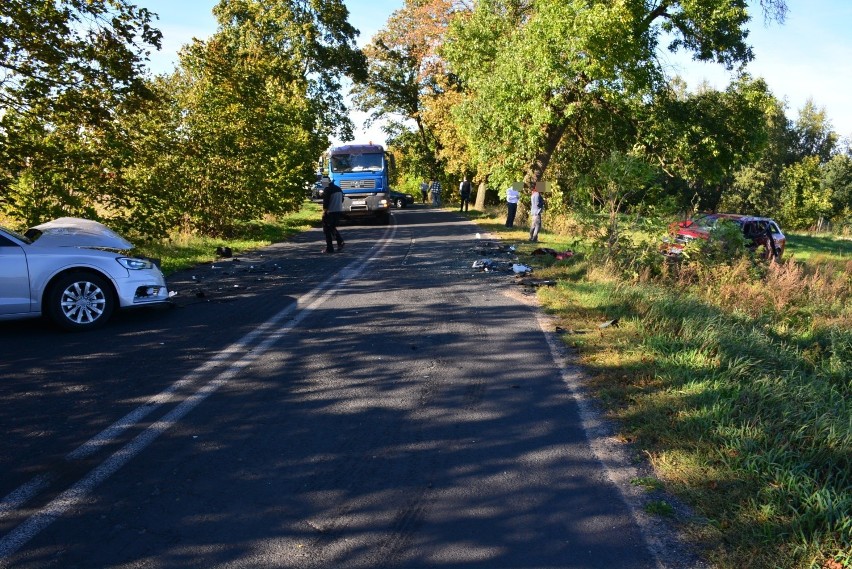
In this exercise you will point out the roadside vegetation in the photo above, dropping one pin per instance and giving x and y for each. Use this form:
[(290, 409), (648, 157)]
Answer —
[(733, 378), (731, 373), (184, 250)]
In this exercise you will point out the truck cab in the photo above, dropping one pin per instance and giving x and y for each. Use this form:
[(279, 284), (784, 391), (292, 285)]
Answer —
[(362, 172)]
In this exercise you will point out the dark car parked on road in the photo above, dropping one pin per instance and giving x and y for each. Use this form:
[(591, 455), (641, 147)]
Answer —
[(401, 200)]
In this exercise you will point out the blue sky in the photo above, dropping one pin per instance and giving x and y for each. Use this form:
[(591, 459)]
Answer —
[(807, 57)]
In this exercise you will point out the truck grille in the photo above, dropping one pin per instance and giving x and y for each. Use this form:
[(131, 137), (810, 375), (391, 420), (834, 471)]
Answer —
[(357, 184)]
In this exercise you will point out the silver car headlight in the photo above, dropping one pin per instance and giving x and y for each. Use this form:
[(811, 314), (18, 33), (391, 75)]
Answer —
[(133, 264)]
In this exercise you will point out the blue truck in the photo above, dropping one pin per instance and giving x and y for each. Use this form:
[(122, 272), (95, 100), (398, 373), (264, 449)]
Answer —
[(362, 172)]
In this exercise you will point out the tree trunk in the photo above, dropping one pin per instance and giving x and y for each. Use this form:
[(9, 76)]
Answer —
[(480, 194), (552, 137)]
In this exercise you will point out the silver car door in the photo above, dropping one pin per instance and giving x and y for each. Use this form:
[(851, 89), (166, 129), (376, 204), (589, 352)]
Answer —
[(14, 278)]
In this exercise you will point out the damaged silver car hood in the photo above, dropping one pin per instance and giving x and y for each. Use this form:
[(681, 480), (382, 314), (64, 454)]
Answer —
[(76, 232)]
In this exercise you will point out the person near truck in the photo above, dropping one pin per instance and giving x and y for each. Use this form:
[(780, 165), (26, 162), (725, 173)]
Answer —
[(332, 211), (424, 190), (464, 191)]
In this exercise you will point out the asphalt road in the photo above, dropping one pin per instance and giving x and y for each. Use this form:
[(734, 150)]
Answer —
[(387, 406)]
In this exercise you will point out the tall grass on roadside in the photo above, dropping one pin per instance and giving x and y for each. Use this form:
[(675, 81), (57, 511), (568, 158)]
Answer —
[(773, 419), (734, 376)]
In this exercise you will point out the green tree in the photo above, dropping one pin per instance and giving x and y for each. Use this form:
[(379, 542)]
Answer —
[(62, 167), (56, 168), (812, 134), (756, 185), (704, 138), (65, 67), (257, 104), (531, 68), (836, 180), (232, 135), (614, 181), (409, 88), (804, 201), (759, 184), (75, 56)]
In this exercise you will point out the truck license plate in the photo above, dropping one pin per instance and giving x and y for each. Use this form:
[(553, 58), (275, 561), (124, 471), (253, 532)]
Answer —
[(359, 202)]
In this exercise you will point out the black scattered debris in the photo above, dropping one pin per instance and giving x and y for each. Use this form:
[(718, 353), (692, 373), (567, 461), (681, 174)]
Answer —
[(535, 282), (492, 266), (493, 249), (543, 251), (558, 255), (227, 280)]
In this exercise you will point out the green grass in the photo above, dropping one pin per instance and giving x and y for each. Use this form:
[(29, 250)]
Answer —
[(660, 508), (736, 382), (183, 251), (649, 483), (805, 247)]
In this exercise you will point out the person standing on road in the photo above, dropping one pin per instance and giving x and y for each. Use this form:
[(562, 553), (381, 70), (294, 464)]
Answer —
[(512, 196), (464, 190), (424, 190), (332, 211), (536, 207), (435, 188)]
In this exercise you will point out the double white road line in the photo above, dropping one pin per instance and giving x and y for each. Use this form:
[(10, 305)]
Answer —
[(188, 392)]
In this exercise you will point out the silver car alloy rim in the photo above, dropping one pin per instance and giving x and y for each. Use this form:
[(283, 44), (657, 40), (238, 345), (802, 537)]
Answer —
[(83, 302)]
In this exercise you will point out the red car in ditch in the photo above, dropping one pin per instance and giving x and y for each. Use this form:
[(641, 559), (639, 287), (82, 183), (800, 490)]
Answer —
[(761, 233)]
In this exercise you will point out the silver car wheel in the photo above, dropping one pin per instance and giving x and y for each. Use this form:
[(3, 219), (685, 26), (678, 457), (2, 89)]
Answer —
[(83, 302), (80, 301)]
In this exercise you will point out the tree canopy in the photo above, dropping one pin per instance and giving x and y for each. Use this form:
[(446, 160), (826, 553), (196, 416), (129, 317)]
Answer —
[(232, 135), (73, 55), (571, 91), (533, 70), (514, 90)]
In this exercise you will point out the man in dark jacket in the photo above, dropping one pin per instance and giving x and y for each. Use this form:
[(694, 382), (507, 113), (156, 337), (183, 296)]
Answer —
[(332, 210), (464, 190)]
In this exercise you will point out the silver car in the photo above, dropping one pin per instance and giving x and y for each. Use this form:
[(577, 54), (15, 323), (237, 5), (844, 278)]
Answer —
[(75, 271)]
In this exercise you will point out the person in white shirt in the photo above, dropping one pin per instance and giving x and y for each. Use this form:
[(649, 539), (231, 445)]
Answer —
[(512, 196)]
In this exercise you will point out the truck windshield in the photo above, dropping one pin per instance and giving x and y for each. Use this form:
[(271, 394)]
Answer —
[(342, 163)]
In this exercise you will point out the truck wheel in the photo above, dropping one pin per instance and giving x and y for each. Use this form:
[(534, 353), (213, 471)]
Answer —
[(80, 301)]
